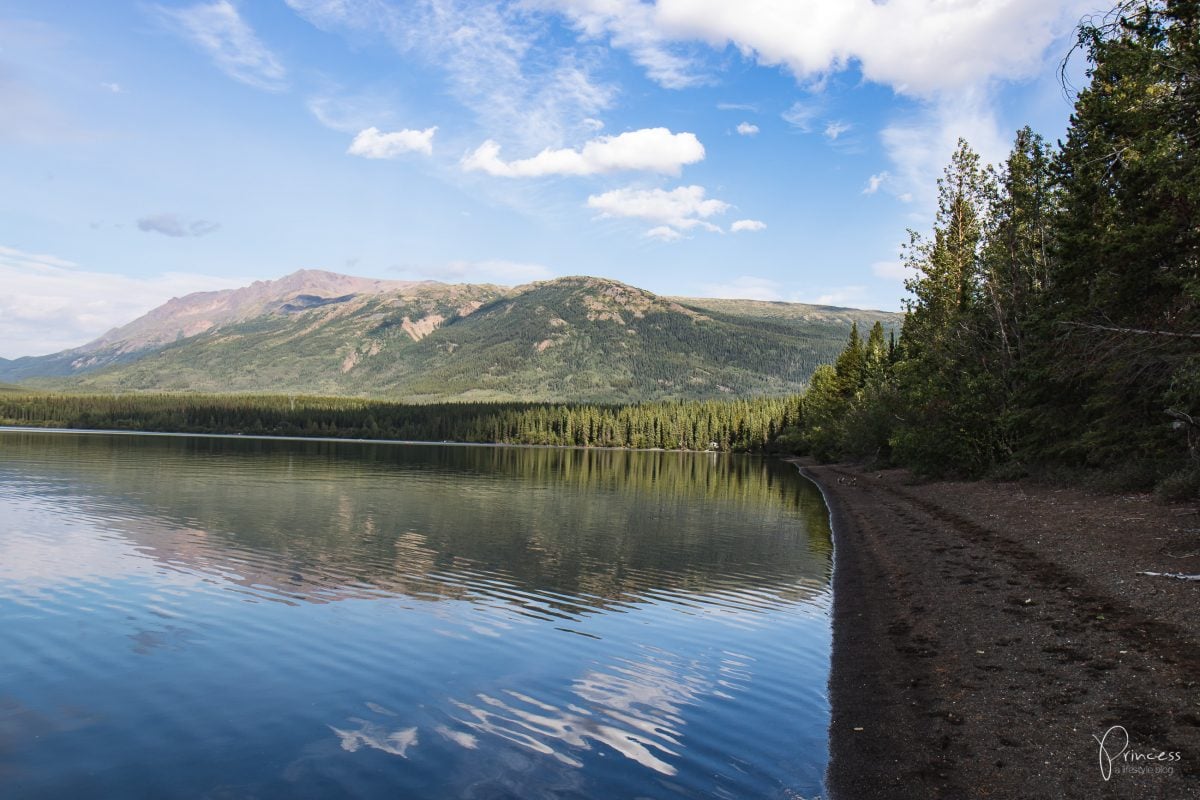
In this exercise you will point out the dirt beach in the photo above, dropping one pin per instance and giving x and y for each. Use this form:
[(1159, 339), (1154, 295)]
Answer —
[(986, 635)]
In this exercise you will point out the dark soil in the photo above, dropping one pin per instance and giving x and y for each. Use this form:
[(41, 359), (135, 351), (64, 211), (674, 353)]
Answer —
[(984, 633)]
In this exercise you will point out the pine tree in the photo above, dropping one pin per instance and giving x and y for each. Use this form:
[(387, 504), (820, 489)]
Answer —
[(1122, 326)]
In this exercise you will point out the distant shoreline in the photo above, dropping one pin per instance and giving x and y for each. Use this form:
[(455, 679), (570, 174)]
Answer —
[(267, 437)]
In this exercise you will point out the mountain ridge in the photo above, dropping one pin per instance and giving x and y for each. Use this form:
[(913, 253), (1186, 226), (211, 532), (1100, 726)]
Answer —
[(578, 338)]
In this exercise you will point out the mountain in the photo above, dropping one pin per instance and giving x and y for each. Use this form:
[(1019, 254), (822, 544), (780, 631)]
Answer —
[(577, 338)]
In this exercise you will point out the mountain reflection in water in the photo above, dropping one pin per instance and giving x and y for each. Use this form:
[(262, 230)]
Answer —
[(488, 621)]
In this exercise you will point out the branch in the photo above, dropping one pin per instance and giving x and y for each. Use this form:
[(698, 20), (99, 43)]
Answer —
[(1134, 331)]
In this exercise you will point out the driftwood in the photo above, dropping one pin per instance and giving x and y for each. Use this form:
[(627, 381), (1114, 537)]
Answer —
[(1177, 575)]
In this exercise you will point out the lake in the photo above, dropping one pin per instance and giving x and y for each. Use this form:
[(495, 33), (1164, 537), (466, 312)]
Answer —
[(233, 618)]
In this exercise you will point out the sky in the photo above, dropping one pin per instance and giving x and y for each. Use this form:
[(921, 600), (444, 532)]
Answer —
[(764, 149)]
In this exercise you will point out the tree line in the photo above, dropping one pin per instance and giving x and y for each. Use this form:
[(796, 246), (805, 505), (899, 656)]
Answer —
[(742, 425), (1054, 312)]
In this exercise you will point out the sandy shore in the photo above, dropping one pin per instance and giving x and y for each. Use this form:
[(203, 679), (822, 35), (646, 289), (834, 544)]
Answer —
[(985, 633)]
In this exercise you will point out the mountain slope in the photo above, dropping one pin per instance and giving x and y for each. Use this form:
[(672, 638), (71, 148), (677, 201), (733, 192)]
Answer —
[(579, 338)]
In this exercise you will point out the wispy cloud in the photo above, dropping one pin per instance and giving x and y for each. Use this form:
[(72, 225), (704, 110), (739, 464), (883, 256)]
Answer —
[(835, 128), (802, 116), (744, 287), (631, 26), (373, 143), (491, 270), (50, 304), (176, 226), (650, 150), (920, 145), (497, 59), (681, 209), (834, 296), (747, 129), (875, 181), (115, 88), (889, 270), (750, 225), (219, 30)]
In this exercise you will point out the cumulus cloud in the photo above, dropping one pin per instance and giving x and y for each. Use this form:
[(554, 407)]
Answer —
[(681, 209), (374, 143), (218, 29), (663, 233), (747, 129), (50, 304), (934, 51), (875, 181), (649, 149), (176, 226), (917, 47), (747, 225), (492, 270), (744, 287)]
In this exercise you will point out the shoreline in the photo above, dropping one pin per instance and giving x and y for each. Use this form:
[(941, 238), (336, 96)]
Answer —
[(351, 440), (987, 635)]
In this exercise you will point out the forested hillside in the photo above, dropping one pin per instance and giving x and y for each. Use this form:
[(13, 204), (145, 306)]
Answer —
[(1054, 323), (577, 339)]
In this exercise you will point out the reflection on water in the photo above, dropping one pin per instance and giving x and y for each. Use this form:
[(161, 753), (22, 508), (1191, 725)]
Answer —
[(236, 618)]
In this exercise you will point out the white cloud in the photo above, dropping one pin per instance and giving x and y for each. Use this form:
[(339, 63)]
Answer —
[(494, 270), (743, 287), (496, 58), (373, 143), (682, 208), (801, 116), (664, 233), (747, 129), (630, 25), (176, 226), (747, 225), (917, 47), (846, 296), (49, 304), (889, 270), (115, 88), (649, 149), (875, 181), (936, 51), (835, 128), (350, 113), (921, 146), (219, 30)]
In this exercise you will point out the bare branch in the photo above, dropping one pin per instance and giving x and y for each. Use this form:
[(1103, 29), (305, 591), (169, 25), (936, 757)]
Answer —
[(1131, 331)]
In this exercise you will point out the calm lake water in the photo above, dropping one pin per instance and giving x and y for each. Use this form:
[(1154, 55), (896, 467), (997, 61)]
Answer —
[(234, 618)]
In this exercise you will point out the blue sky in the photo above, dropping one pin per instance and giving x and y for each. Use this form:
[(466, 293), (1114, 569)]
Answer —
[(772, 150)]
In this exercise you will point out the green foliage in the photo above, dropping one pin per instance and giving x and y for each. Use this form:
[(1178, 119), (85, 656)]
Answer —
[(1054, 324), (1119, 345), (738, 425)]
